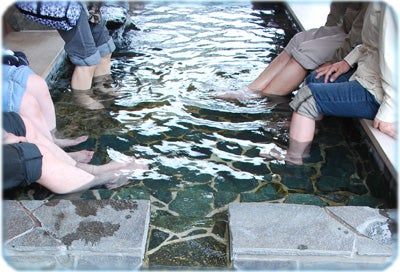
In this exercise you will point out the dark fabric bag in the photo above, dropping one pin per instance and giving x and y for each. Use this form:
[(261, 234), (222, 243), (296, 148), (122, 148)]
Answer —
[(15, 58), (62, 15)]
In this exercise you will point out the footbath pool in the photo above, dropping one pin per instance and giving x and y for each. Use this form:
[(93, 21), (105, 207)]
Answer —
[(204, 151)]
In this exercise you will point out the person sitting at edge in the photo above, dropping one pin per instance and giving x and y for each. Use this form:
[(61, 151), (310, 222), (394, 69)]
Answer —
[(31, 157), (306, 51), (336, 90)]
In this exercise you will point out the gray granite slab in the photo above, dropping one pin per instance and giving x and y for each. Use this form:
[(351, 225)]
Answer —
[(287, 229), (77, 234), (290, 236)]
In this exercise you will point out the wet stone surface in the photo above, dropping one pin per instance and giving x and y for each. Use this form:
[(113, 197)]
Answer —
[(204, 151), (73, 234)]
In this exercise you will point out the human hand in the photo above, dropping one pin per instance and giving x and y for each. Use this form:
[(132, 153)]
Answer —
[(332, 72), (386, 127), (322, 66)]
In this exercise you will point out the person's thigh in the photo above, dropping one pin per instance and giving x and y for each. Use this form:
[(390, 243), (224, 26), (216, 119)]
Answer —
[(313, 53), (346, 99), (311, 34)]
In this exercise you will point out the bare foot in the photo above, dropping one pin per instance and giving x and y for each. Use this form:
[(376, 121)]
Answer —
[(274, 152), (82, 156), (125, 170), (118, 182), (105, 84), (128, 165), (69, 142), (83, 99), (242, 95)]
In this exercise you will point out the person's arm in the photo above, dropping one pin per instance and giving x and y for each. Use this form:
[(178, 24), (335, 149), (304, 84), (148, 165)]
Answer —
[(333, 71)]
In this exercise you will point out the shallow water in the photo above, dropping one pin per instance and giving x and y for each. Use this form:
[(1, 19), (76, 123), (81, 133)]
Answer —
[(203, 150)]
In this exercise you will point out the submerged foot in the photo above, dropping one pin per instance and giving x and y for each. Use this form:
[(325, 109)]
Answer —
[(83, 99), (69, 141), (274, 152), (129, 164), (124, 171), (82, 156), (105, 84), (242, 95)]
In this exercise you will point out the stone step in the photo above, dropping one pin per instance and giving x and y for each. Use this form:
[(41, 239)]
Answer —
[(291, 236), (75, 234)]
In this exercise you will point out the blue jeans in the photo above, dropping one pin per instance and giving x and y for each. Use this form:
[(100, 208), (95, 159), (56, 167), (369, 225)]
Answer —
[(342, 98)]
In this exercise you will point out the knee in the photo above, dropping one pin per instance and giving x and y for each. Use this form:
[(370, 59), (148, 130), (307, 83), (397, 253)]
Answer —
[(311, 78), (305, 104)]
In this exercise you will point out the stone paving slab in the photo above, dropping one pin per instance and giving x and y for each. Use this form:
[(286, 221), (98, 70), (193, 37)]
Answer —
[(75, 234), (290, 236)]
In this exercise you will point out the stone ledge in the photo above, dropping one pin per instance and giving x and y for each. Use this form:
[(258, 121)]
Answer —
[(291, 236), (75, 234), (44, 49)]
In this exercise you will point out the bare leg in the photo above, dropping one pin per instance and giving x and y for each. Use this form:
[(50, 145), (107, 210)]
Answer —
[(82, 77), (62, 178), (30, 107), (34, 136), (37, 87), (102, 79), (112, 166), (285, 82), (59, 176), (273, 69), (302, 131), (301, 135), (62, 174), (104, 67), (81, 84), (281, 77), (37, 105), (302, 128)]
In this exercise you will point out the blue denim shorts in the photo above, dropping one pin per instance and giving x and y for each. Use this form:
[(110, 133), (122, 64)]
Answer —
[(14, 86), (86, 43), (342, 98)]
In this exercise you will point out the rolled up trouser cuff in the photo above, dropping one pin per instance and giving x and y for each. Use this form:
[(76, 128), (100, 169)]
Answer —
[(304, 103), (107, 48), (23, 165)]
